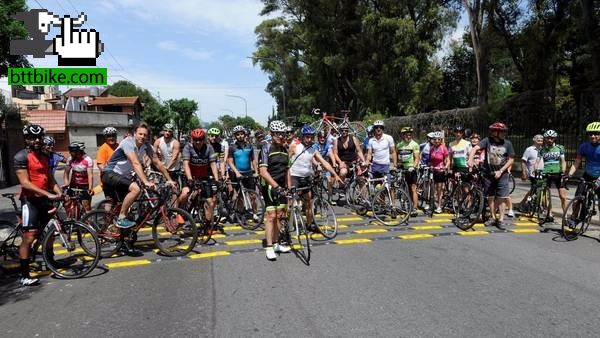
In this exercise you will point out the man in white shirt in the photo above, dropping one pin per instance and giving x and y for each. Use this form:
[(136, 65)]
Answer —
[(381, 152)]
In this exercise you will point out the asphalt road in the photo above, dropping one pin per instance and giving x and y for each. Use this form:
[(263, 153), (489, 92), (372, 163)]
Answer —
[(425, 279)]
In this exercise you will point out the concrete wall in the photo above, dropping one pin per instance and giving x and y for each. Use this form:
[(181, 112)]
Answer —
[(84, 126)]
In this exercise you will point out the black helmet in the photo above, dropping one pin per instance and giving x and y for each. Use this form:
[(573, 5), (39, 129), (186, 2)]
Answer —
[(77, 146), (33, 130)]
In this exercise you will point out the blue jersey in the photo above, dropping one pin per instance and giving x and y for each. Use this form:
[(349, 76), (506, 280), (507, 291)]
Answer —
[(242, 157), (591, 153), (323, 149), (424, 147), (54, 160)]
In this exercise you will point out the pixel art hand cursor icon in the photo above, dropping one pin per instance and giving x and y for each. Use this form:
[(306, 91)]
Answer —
[(77, 47)]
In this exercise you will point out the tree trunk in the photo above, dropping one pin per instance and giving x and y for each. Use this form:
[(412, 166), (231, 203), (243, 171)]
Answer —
[(480, 51)]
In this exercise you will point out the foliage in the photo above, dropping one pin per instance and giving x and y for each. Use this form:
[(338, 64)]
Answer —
[(227, 122), (11, 29), (183, 113)]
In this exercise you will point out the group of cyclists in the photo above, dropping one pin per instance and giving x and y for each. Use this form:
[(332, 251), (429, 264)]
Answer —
[(279, 159)]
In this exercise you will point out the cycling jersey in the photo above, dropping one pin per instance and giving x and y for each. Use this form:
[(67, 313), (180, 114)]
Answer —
[(302, 165), (425, 147), (380, 148), (406, 153), (55, 159), (120, 164), (199, 159), (530, 156), (275, 158), (552, 156), (220, 147), (242, 156), (591, 153), (497, 153), (38, 169), (459, 151), (79, 167), (347, 154), (437, 156), (323, 149), (104, 153)]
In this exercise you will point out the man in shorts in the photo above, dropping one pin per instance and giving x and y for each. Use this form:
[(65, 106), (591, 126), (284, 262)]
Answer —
[(409, 157)]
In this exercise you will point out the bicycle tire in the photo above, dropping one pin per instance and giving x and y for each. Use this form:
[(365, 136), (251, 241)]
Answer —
[(389, 210), (576, 222), (324, 217), (109, 235), (359, 130), (357, 197), (179, 233), (249, 219), (74, 232), (512, 184), (544, 205), (302, 236), (9, 247), (467, 206), (204, 230)]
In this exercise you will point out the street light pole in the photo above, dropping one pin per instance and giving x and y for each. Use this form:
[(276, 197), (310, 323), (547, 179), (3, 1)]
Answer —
[(245, 102)]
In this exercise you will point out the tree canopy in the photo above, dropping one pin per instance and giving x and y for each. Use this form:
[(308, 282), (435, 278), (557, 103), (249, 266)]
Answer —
[(11, 29)]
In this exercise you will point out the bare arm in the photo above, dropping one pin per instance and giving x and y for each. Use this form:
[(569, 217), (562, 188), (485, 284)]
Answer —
[(175, 157), (187, 171), (137, 167), (90, 173), (575, 165), (394, 156), (23, 177), (472, 155), (359, 152), (66, 175)]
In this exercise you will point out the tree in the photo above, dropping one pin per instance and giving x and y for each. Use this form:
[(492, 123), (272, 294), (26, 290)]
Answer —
[(11, 29), (227, 122), (184, 114)]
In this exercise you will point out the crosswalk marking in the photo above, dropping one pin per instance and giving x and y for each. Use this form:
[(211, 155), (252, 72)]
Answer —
[(128, 263), (370, 231), (244, 242), (438, 220), (210, 254), (525, 230), (426, 227)]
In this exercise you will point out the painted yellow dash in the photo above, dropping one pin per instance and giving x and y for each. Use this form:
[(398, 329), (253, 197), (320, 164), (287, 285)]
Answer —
[(479, 225), (416, 236), (443, 214), (473, 233), (128, 263), (244, 242), (525, 230), (65, 251), (215, 236), (260, 232), (232, 227), (39, 273), (150, 229), (427, 227), (353, 241), (438, 220), (350, 219), (297, 246), (525, 224), (210, 254), (342, 226), (11, 265), (369, 231)]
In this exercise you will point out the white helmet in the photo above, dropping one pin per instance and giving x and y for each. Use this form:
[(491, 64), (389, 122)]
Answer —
[(550, 133), (344, 125), (277, 126), (237, 129), (431, 135), (438, 134), (109, 131), (378, 123)]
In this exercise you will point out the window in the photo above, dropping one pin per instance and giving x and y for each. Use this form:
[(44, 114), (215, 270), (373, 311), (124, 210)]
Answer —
[(99, 140)]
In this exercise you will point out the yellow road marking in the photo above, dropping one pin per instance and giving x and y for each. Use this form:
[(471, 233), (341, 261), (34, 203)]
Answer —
[(443, 214), (350, 219), (65, 251), (369, 231), (297, 246), (260, 232), (525, 230), (525, 223), (233, 227), (244, 242), (473, 233), (11, 265), (128, 263), (210, 254), (427, 227), (353, 241), (438, 220), (479, 225), (416, 236), (39, 273)]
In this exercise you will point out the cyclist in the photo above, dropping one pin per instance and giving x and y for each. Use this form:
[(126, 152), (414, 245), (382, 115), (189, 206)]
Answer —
[(107, 148), (424, 149), (242, 162), (459, 151), (499, 157), (38, 187), (55, 158), (303, 158), (346, 150), (369, 135), (169, 152), (479, 156), (325, 149), (439, 161), (79, 173), (409, 157), (381, 152), (118, 176), (555, 165), (529, 159), (590, 151), (273, 168), (220, 147), (199, 163)]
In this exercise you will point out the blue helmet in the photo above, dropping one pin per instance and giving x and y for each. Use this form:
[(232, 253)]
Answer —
[(308, 130)]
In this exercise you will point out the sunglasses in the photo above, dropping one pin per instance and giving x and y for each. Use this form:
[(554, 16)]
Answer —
[(593, 133), (198, 139), (377, 127)]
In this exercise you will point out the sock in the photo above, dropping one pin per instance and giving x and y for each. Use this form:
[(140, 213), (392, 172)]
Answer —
[(24, 269)]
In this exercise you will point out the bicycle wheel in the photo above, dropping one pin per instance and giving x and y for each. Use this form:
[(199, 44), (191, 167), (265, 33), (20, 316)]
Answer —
[(511, 184), (358, 197), (468, 206), (544, 205), (302, 236), (577, 217), (359, 130), (11, 241), (249, 209), (63, 253), (174, 232), (109, 235), (325, 217), (389, 209), (426, 195), (202, 228)]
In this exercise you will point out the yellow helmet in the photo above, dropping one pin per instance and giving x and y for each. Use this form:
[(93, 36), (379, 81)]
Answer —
[(594, 126)]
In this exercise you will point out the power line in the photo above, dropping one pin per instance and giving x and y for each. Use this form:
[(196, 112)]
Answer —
[(39, 4), (61, 6), (75, 8)]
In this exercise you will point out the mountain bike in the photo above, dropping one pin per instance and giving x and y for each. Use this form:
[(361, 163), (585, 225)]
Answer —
[(580, 211)]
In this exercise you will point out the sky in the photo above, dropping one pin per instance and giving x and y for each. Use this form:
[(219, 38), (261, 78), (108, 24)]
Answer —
[(197, 49)]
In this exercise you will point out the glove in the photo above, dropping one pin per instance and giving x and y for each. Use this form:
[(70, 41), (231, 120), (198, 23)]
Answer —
[(280, 191)]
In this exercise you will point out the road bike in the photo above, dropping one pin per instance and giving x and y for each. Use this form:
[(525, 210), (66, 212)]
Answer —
[(326, 123), (538, 200), (293, 227), (248, 207), (323, 213), (580, 211), (391, 203)]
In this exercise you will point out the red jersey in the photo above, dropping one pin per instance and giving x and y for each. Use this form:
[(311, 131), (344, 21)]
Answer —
[(38, 169)]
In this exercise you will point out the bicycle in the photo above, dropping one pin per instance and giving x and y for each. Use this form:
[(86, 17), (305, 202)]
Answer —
[(249, 206), (323, 213), (197, 206), (581, 209), (468, 203), (426, 190), (538, 201), (294, 223), (70, 248), (173, 229), (391, 201), (325, 123)]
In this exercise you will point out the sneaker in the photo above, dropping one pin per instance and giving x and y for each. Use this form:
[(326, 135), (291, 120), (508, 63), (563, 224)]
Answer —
[(414, 213), (271, 255), (125, 223), (501, 225), (27, 281), (281, 248), (490, 222), (438, 210), (510, 213)]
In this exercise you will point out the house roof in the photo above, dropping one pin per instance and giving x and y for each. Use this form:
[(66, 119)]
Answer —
[(51, 120), (114, 101), (81, 92)]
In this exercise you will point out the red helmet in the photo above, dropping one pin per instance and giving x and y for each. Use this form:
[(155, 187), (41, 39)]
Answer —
[(498, 126), (198, 133)]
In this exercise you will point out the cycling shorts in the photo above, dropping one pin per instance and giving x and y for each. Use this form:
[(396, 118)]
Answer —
[(115, 185), (301, 182), (85, 194), (410, 177), (556, 179), (272, 200), (248, 181), (439, 176), (207, 187), (34, 212)]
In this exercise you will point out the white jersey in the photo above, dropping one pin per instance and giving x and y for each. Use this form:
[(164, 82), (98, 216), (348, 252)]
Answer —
[(166, 153), (381, 149), (302, 165)]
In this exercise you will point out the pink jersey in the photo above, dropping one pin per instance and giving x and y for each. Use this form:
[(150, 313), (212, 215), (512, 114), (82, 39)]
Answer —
[(437, 156), (79, 169)]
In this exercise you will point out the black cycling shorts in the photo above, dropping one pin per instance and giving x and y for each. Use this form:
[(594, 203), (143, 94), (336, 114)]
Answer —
[(556, 179), (248, 181), (85, 194), (115, 185), (410, 177), (208, 187), (439, 176), (34, 212), (272, 200)]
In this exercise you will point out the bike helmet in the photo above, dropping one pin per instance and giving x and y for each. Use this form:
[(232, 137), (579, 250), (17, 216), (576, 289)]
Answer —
[(378, 123), (33, 130), (49, 141), (76, 146), (168, 127), (406, 130), (214, 132), (277, 126), (459, 128), (109, 131), (308, 130), (289, 129), (198, 133), (437, 134), (550, 133), (344, 125), (593, 127), (431, 135), (238, 129), (498, 126)]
